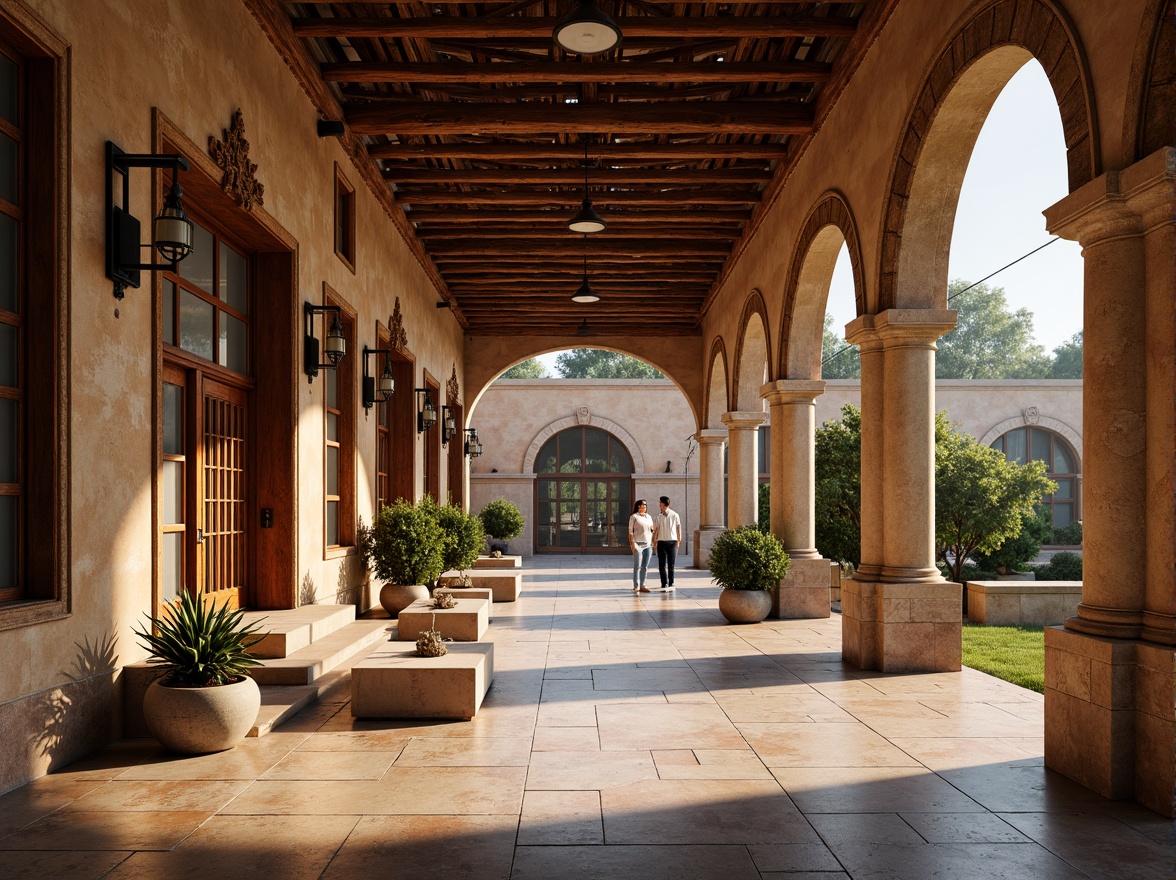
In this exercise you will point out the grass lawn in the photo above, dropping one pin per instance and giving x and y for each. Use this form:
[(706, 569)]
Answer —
[(1014, 653)]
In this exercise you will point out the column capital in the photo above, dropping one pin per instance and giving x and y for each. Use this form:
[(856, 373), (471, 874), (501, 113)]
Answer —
[(786, 391), (711, 436), (1118, 203), (745, 421), (860, 331), (920, 327)]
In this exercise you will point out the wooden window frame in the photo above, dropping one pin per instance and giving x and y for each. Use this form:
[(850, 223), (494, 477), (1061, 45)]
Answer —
[(455, 466), (43, 592), (344, 215), (431, 437), (345, 388)]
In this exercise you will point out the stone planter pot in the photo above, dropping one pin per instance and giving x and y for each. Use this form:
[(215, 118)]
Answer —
[(745, 606), (396, 597), (198, 720)]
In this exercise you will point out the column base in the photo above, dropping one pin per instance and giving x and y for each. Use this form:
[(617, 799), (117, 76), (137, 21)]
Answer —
[(901, 627), (704, 539), (803, 593), (1108, 716)]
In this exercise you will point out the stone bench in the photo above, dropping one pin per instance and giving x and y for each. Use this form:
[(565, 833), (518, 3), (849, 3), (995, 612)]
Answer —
[(465, 623), (393, 682), (1022, 603), (505, 585), (466, 592), (492, 562)]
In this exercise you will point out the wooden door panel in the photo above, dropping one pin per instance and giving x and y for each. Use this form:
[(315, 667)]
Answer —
[(223, 569)]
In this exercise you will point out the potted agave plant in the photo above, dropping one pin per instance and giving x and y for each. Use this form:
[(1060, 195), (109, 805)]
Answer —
[(748, 564), (204, 700)]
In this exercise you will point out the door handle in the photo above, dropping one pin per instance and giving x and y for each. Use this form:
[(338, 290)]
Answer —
[(200, 536)]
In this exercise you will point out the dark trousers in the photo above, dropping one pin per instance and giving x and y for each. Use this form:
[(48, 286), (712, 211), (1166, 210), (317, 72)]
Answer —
[(667, 555)]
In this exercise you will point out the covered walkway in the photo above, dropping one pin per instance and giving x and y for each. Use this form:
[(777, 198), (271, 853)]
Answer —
[(623, 737)]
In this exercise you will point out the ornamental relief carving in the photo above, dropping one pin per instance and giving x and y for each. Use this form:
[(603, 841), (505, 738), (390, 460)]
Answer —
[(1032, 415), (398, 335), (452, 389), (232, 156), (583, 417)]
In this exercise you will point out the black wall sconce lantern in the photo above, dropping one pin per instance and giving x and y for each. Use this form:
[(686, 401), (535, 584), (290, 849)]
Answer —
[(171, 231), (448, 425), (377, 391), (336, 341), (427, 413), (473, 446)]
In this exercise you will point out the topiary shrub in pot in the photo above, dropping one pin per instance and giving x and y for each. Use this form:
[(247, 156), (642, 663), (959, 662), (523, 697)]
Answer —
[(463, 537), (406, 544), (204, 700), (502, 521), (747, 564)]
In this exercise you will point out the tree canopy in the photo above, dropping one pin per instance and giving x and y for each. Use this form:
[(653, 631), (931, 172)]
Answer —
[(989, 341), (839, 487), (597, 363), (836, 363), (531, 368), (1067, 363)]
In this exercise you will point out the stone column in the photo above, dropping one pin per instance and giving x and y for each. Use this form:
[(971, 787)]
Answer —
[(710, 492), (742, 467), (1111, 670), (804, 591)]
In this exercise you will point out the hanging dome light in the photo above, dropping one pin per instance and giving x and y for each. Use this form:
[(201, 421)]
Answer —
[(584, 329), (587, 31), (587, 221), (585, 293)]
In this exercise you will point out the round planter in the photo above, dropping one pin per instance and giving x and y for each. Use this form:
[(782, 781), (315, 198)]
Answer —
[(745, 606), (396, 597), (199, 720)]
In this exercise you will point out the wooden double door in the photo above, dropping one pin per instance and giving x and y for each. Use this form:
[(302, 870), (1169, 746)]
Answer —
[(206, 487)]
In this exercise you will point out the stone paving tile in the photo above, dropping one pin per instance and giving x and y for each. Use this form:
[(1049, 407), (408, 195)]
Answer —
[(563, 739), (793, 858), (823, 745), (116, 831), (1102, 848), (332, 765), (355, 741), (561, 818), (963, 828), (40, 798), (247, 761), (670, 726), (887, 828), (871, 789), (711, 764), (973, 861), (74, 865), (702, 812), (246, 848), (951, 753), (633, 863), (425, 847), (474, 751), (552, 771), (181, 795)]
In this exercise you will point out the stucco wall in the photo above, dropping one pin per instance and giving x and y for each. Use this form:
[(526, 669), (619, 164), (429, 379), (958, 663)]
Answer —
[(197, 63), (652, 417)]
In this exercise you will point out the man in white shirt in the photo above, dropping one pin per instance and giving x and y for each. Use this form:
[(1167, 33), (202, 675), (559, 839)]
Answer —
[(667, 532)]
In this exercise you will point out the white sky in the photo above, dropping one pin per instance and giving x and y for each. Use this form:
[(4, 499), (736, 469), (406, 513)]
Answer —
[(1018, 169)]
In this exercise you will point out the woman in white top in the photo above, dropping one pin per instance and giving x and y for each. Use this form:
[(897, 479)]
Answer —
[(641, 543)]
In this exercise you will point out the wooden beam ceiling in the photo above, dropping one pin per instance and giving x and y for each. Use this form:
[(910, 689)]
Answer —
[(475, 125)]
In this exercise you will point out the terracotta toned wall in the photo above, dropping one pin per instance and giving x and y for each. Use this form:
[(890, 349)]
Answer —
[(197, 63)]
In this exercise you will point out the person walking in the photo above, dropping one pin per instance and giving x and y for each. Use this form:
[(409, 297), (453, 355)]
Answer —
[(667, 532), (640, 543)]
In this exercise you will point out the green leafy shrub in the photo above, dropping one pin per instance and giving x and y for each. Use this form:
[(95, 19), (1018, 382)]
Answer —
[(1015, 552), (765, 508), (970, 572), (1068, 536), (502, 520), (406, 544), (1064, 566), (748, 559), (462, 537), (199, 646)]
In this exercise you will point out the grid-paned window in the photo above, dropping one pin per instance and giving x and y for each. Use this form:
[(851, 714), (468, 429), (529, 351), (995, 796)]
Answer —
[(339, 439), (1023, 445), (206, 308), (383, 446)]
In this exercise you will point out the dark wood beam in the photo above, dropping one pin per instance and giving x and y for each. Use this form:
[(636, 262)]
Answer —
[(574, 177), (743, 27), (747, 117), (686, 234), (573, 261), (592, 247), (546, 153), (662, 199), (460, 218), (554, 72)]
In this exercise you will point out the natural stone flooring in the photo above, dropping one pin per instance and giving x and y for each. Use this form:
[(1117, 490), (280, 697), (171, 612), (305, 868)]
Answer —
[(623, 737)]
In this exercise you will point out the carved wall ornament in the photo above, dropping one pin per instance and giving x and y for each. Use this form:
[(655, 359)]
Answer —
[(398, 335), (452, 389), (232, 156), (1032, 415), (583, 417)]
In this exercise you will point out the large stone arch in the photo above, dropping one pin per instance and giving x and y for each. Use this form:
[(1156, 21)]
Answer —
[(753, 355), (978, 59), (718, 395), (580, 421), (1151, 112), (1074, 438), (828, 226)]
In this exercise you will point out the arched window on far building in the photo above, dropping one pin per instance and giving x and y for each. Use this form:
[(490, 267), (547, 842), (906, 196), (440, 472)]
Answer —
[(1039, 444)]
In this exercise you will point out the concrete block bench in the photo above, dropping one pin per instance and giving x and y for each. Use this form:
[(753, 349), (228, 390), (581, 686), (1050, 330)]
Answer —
[(465, 623), (466, 592), (505, 585), (1022, 603), (493, 562), (393, 682)]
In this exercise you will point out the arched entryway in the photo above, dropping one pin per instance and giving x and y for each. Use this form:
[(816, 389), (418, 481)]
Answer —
[(583, 492)]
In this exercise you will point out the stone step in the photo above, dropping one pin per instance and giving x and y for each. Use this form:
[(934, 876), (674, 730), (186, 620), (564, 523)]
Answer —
[(305, 666), (289, 631)]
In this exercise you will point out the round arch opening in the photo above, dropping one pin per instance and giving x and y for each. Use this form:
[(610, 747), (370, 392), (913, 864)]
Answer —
[(1033, 443), (583, 492)]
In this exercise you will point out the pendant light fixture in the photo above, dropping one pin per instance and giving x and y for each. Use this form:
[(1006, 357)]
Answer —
[(587, 31), (585, 293), (587, 221)]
